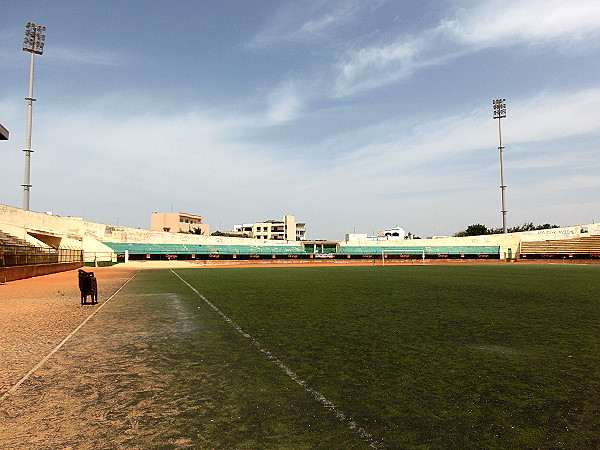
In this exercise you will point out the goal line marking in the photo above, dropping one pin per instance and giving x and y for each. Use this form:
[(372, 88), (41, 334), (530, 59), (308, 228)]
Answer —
[(13, 389), (290, 373)]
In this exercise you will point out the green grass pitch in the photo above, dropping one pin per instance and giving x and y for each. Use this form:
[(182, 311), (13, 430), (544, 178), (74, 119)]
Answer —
[(418, 357)]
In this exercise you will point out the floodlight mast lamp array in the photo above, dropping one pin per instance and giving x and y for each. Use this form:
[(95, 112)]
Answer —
[(500, 113), (34, 44)]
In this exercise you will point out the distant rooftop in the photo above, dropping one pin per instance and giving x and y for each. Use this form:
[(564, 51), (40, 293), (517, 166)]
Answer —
[(3, 133)]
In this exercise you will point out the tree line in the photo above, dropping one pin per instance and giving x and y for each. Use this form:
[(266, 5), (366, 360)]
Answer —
[(478, 229)]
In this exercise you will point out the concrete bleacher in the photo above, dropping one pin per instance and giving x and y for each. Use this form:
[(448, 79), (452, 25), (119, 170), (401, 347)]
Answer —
[(7, 239), (299, 250), (471, 250), (21, 259), (52, 231), (588, 246), (204, 249)]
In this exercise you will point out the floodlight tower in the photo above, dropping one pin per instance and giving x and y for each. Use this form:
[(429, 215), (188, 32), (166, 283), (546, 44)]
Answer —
[(500, 113), (34, 44)]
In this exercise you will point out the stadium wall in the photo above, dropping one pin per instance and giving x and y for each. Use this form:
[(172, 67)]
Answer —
[(509, 243), (110, 233), (29, 271), (76, 233)]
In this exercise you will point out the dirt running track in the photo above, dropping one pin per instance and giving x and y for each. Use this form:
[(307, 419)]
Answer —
[(36, 314)]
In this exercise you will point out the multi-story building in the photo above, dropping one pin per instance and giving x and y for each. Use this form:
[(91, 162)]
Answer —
[(178, 223), (282, 230), (301, 231), (391, 234)]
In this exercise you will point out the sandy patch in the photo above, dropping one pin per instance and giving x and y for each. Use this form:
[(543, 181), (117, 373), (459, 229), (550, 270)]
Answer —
[(36, 314)]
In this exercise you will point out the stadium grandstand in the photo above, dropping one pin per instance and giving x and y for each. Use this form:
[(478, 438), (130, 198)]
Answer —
[(446, 251), (204, 251), (99, 244), (577, 248)]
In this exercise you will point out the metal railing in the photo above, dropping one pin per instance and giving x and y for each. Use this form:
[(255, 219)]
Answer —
[(21, 255)]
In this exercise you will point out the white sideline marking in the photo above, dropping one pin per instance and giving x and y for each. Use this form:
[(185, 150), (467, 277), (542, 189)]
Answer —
[(13, 389), (289, 372)]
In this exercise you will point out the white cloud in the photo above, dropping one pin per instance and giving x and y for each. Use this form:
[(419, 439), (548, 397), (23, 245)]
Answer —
[(80, 56), (322, 23), (501, 23), (302, 21), (554, 115), (488, 24), (372, 67), (564, 198), (10, 108), (446, 171), (101, 165), (285, 103), (528, 160), (14, 58), (94, 161), (543, 118), (570, 182)]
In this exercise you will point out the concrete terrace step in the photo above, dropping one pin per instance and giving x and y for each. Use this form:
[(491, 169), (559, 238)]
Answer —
[(582, 245), (7, 239)]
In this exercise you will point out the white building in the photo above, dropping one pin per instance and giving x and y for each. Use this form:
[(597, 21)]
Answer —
[(390, 234), (279, 230)]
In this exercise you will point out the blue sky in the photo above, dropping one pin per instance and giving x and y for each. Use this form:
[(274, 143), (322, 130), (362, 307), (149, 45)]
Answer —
[(352, 115)]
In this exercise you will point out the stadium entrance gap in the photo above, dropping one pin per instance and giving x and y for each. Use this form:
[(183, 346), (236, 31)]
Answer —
[(321, 247)]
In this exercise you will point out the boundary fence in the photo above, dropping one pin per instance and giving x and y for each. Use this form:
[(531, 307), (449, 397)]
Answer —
[(24, 255)]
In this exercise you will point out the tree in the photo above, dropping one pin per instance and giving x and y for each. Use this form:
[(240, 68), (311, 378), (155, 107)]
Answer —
[(531, 227), (476, 230), (479, 230), (473, 230)]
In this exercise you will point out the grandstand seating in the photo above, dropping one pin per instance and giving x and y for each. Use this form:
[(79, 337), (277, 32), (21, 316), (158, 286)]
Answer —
[(585, 247), (18, 252), (588, 246), (298, 250), (197, 249), (490, 250), (7, 239)]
